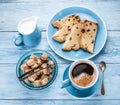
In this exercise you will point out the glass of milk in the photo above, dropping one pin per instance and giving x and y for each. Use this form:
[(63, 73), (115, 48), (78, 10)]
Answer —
[(29, 34)]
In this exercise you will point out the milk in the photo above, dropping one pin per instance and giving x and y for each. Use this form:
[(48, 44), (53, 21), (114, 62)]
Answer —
[(27, 26)]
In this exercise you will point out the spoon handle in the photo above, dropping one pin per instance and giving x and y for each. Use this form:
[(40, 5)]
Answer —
[(102, 86)]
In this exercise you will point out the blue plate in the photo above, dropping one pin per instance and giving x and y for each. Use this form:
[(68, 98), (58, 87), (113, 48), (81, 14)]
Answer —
[(80, 93), (84, 13), (26, 56)]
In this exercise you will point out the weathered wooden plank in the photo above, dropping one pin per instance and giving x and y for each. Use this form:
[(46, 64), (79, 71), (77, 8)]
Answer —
[(10, 88), (8, 35), (58, 102), (14, 55), (30, 1), (10, 53), (46, 9)]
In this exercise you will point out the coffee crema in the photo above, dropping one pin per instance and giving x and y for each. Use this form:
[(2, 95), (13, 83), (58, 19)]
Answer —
[(83, 74)]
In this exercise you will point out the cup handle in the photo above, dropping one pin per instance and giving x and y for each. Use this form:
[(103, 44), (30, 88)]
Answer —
[(18, 40), (65, 83)]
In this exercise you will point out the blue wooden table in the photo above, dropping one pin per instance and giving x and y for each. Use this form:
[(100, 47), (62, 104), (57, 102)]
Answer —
[(13, 93)]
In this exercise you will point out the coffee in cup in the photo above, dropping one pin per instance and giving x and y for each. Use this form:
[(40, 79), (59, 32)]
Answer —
[(83, 74)]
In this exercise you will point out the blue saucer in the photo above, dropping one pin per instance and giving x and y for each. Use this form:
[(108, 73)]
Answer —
[(80, 93)]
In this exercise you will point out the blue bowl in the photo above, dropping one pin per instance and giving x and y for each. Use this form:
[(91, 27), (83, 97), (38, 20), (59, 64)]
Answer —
[(26, 56)]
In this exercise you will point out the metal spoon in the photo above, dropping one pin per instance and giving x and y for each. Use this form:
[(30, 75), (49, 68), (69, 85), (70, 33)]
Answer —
[(102, 67)]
